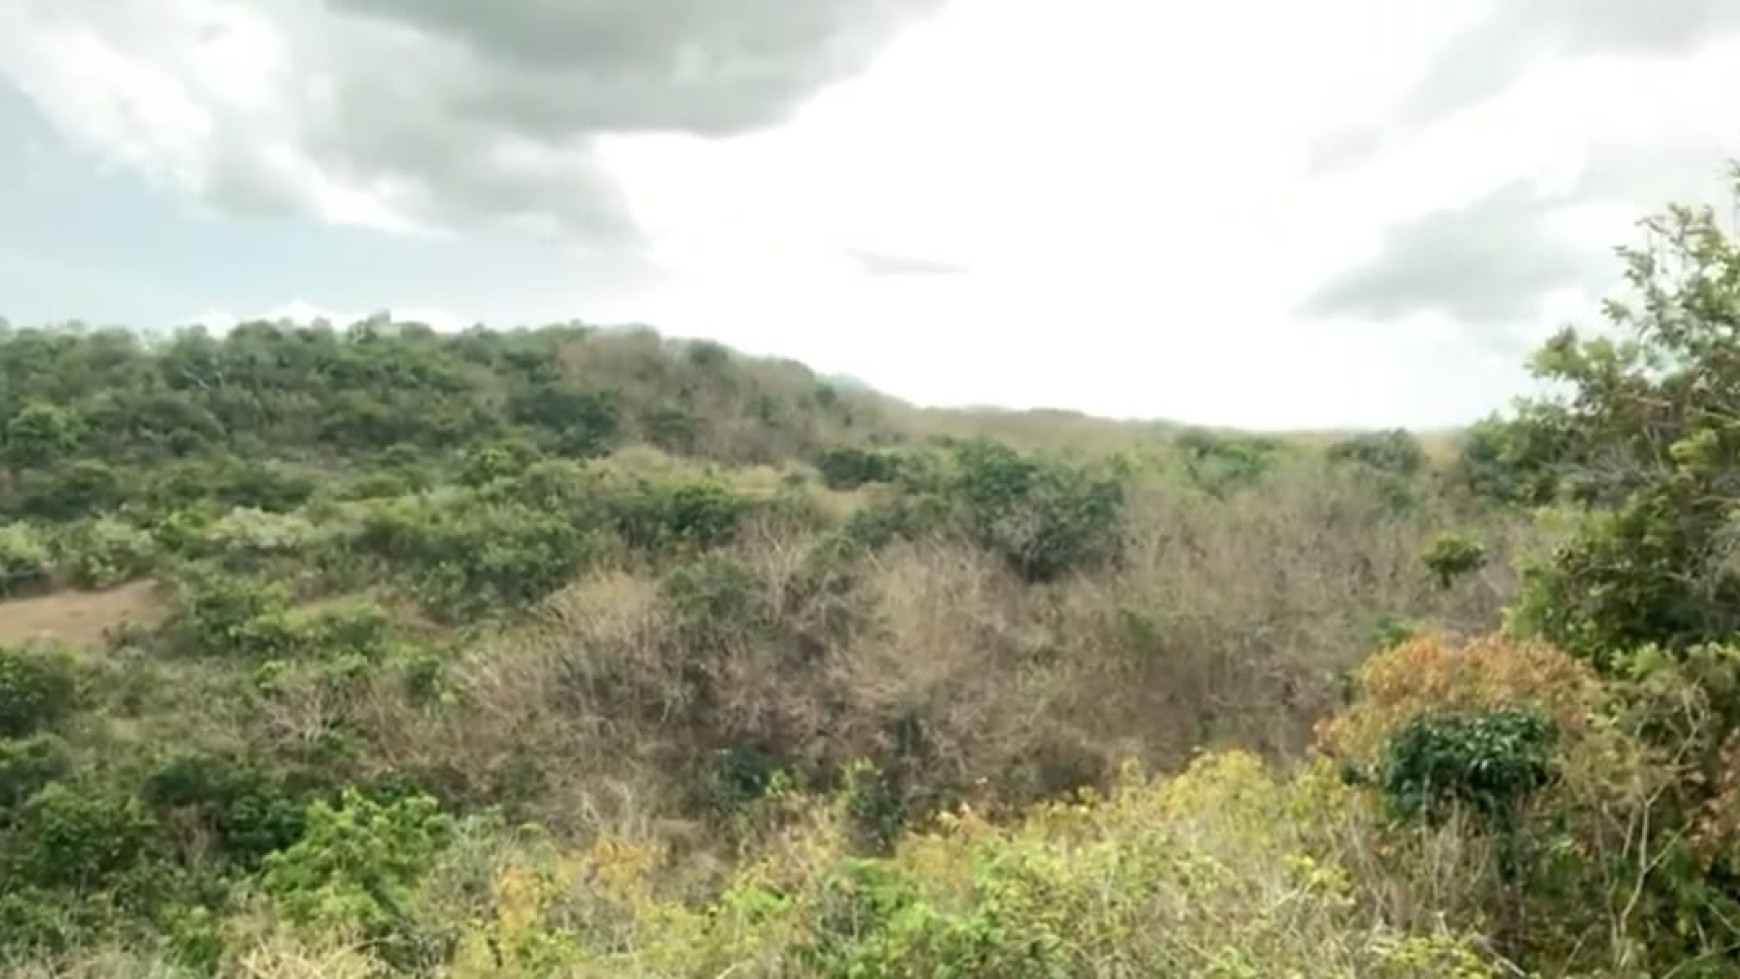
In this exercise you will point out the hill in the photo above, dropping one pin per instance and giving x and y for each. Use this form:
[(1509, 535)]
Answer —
[(582, 652)]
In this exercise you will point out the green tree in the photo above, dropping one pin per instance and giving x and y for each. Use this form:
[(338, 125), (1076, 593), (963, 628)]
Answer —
[(1649, 444), (39, 434)]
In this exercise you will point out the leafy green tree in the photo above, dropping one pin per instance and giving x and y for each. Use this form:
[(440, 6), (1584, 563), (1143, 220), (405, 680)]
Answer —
[(1649, 436), (39, 434), (1645, 439), (1045, 519), (26, 562), (1452, 556), (1395, 451), (38, 689)]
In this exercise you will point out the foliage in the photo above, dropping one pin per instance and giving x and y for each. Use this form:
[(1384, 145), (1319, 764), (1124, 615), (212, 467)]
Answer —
[(1044, 519), (849, 467), (356, 867), (1221, 463), (25, 559), (1488, 762), (1395, 451), (1451, 556), (787, 679), (1650, 433), (38, 689), (106, 552)]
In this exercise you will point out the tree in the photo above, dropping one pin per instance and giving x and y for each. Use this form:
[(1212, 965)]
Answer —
[(1646, 450), (39, 434), (1647, 442)]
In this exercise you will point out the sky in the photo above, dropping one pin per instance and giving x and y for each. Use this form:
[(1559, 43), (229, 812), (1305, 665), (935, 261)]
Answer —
[(1256, 213)]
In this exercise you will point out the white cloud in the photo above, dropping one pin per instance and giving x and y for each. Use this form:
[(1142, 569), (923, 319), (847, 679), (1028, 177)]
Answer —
[(421, 114), (1127, 198)]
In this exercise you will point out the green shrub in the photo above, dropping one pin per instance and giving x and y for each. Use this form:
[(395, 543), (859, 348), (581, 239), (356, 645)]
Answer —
[(219, 614), (676, 430), (26, 562), (1452, 556), (39, 688), (65, 837), (471, 557), (106, 552), (483, 464), (658, 515), (250, 532), (356, 868), (904, 516), (69, 491), (1395, 451), (1044, 519), (1507, 462), (1488, 763), (849, 467), (247, 812), (1222, 463), (27, 764), (40, 434)]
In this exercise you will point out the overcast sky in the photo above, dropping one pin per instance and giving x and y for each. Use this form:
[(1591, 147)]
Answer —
[(1248, 212)]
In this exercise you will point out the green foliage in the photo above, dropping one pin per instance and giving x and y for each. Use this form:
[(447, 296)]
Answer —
[(491, 461), (62, 837), (67, 491), (39, 688), (1507, 461), (1395, 451), (1044, 519), (465, 560), (38, 435), (232, 798), (849, 467), (27, 765), (26, 562), (1648, 436), (904, 516), (657, 516), (576, 423), (672, 428), (93, 420), (1222, 463), (221, 615), (106, 552), (1452, 556), (356, 868), (1489, 763)]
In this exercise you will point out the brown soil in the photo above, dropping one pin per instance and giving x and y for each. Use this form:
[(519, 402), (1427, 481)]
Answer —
[(83, 618)]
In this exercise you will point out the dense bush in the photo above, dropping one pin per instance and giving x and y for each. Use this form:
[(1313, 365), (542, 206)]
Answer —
[(38, 689), (1395, 451), (1045, 519), (105, 552), (26, 561)]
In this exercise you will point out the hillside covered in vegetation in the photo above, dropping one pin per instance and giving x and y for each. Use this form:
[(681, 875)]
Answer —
[(565, 652)]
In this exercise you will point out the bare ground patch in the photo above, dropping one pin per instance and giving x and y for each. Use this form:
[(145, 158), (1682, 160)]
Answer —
[(83, 618)]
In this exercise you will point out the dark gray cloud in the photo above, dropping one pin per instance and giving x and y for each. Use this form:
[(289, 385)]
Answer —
[(884, 263), (700, 66), (1488, 58), (1493, 261), (457, 110)]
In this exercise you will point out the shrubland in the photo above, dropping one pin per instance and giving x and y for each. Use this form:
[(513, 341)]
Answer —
[(575, 652)]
